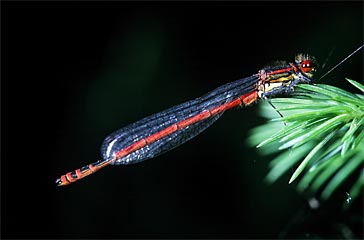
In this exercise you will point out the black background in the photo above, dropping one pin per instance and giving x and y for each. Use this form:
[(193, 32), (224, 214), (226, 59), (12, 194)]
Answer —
[(74, 72)]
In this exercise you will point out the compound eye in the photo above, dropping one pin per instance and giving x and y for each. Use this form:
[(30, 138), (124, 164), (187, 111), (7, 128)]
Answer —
[(307, 66)]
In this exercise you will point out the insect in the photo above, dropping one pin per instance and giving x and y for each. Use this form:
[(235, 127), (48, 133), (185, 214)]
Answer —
[(163, 131)]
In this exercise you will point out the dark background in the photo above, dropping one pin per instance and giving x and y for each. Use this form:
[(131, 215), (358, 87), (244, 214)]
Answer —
[(74, 72)]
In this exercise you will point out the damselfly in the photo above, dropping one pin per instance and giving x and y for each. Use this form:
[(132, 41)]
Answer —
[(163, 131)]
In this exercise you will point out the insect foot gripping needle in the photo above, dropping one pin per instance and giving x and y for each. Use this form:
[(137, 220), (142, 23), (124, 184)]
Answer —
[(170, 128)]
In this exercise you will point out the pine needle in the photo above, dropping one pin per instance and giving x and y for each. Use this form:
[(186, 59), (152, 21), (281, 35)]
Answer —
[(323, 136)]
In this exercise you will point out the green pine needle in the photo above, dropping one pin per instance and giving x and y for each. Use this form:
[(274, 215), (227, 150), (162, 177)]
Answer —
[(323, 133)]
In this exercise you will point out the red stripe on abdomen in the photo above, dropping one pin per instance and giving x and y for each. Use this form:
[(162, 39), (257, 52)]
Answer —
[(249, 98), (244, 99)]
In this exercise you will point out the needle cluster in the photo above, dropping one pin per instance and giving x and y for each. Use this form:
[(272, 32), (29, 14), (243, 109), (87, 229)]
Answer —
[(321, 136)]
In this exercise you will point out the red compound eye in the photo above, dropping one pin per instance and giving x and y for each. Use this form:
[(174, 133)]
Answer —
[(307, 66)]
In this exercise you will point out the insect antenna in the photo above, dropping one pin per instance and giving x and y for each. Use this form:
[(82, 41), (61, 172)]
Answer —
[(332, 69)]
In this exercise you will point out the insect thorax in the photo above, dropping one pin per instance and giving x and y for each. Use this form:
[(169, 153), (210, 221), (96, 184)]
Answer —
[(276, 83)]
